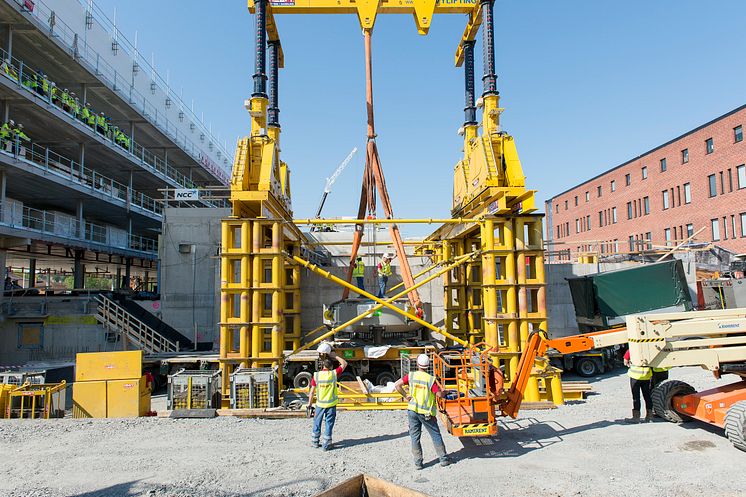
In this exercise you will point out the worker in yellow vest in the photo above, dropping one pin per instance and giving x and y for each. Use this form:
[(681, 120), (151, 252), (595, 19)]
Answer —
[(639, 381), (421, 410), (359, 273), (384, 271), (324, 383)]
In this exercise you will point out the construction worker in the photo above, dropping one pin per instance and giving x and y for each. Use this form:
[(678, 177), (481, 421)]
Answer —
[(421, 410), (6, 131), (384, 271), (358, 272), (639, 381), (43, 88), (9, 70), (101, 126), (32, 83), (88, 116), (74, 105), (325, 381)]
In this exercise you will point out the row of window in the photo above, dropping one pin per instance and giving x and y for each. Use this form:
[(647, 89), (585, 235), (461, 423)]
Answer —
[(638, 208), (709, 148), (675, 234), (712, 180), (607, 217), (720, 228), (672, 198)]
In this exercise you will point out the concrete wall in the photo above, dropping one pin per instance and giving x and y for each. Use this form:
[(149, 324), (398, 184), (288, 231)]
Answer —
[(190, 282), (69, 327)]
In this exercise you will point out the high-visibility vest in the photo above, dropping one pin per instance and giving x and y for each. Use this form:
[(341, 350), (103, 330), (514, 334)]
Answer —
[(5, 131), (45, 85), (421, 393), (660, 370), (326, 388), (385, 269), (640, 372), (359, 270)]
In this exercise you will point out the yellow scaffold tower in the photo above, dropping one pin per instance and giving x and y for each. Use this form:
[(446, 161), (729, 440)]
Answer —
[(260, 288)]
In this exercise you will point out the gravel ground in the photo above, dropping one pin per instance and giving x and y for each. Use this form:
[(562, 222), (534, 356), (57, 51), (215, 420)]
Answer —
[(577, 450)]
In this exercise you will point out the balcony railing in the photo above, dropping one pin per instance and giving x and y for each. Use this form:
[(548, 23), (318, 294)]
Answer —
[(57, 28), (15, 215)]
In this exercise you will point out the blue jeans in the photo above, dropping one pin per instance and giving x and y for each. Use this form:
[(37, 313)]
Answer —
[(330, 415), (382, 281), (416, 422), (360, 282)]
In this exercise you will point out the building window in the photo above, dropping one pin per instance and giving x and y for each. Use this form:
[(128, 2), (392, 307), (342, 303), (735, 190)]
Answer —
[(556, 208), (730, 180), (733, 232), (629, 210), (665, 200), (577, 226), (709, 146), (646, 205), (689, 230), (687, 193), (600, 218), (713, 185), (741, 173), (725, 228), (667, 235), (631, 242), (576, 200), (558, 231), (587, 196), (627, 179), (599, 190), (588, 222), (685, 156), (715, 225), (663, 165), (613, 215), (743, 224), (644, 172), (613, 186), (649, 238), (566, 205), (738, 134)]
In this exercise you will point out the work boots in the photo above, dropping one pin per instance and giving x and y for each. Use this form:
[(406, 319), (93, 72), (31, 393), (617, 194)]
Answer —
[(635, 417), (649, 416)]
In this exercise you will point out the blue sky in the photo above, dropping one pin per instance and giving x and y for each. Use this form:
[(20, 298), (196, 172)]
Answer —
[(586, 85)]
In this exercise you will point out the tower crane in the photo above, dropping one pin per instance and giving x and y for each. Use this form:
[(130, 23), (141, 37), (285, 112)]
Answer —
[(331, 179)]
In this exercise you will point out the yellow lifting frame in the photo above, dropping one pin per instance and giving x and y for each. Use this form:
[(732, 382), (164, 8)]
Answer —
[(325, 274), (373, 309)]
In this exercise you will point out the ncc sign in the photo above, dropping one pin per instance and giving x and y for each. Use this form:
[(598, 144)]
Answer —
[(186, 194)]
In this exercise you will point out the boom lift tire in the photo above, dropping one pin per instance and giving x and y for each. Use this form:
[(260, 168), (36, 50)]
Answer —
[(347, 376), (663, 396), (302, 379), (586, 367), (735, 425)]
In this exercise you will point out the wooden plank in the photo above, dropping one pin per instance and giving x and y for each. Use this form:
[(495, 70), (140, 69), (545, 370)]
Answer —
[(544, 404), (362, 386), (262, 413)]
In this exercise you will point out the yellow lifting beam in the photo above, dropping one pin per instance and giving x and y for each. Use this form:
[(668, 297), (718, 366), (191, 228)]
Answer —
[(367, 10), (325, 274), (459, 260)]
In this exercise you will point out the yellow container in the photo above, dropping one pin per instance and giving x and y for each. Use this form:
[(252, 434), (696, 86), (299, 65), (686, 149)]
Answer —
[(4, 395), (127, 398), (108, 365), (89, 399)]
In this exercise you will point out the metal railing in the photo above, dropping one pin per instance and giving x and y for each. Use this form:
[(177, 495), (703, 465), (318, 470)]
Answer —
[(115, 318), (51, 162), (56, 28), (25, 78), (17, 215)]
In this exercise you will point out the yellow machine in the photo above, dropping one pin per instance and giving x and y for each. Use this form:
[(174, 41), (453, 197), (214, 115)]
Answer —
[(110, 385), (493, 245)]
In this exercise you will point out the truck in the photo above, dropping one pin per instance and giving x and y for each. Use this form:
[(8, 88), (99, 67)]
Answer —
[(604, 300)]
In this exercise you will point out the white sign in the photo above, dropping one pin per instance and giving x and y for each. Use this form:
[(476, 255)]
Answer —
[(186, 194)]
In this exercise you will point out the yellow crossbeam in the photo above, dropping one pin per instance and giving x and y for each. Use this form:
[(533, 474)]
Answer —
[(367, 10), (456, 220)]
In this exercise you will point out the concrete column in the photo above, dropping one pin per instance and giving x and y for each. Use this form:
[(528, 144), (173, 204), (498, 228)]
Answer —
[(118, 283), (129, 192), (127, 273), (81, 220), (84, 93), (3, 271), (81, 156), (32, 273), (145, 280), (6, 111), (79, 270), (9, 41), (3, 187)]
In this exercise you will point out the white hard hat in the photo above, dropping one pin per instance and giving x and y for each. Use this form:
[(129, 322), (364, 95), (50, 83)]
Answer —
[(423, 360), (324, 348)]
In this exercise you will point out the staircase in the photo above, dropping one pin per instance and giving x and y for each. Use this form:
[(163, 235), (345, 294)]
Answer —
[(139, 327)]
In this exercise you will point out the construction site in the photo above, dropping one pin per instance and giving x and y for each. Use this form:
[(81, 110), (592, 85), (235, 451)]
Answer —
[(171, 326)]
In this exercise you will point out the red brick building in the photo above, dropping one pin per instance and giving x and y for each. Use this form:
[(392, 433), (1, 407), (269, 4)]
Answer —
[(694, 182)]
